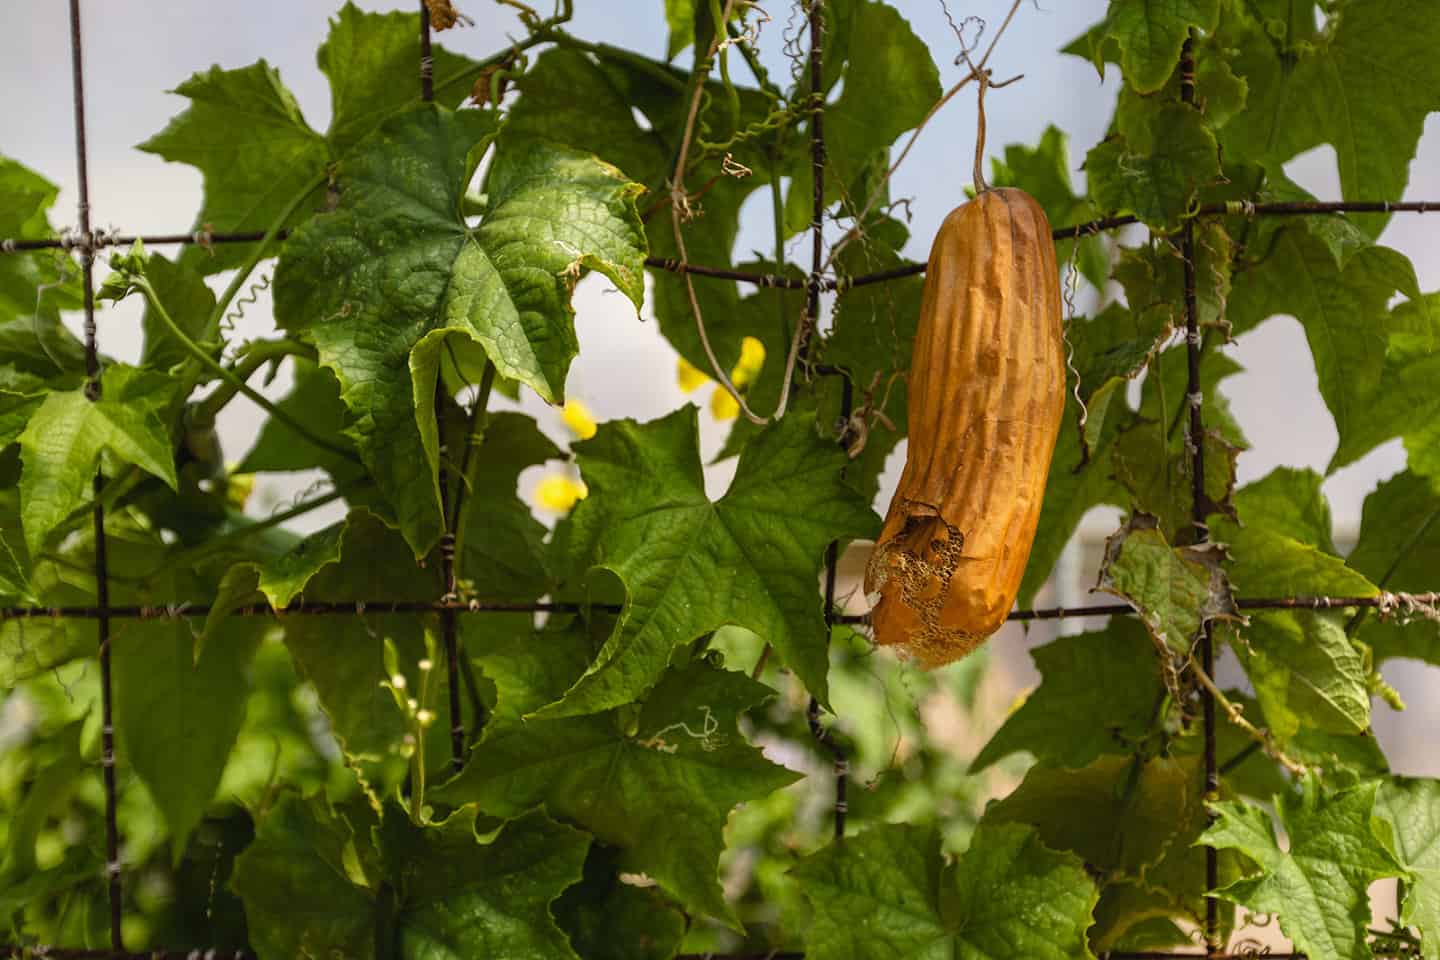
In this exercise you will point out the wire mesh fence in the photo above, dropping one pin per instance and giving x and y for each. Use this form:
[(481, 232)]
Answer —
[(85, 243)]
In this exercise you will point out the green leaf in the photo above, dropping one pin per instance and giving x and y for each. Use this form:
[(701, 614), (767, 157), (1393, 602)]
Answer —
[(30, 647), (244, 131), (60, 769), (394, 271), (691, 566), (1154, 462), (62, 444), (1044, 172), (1261, 777), (1344, 312), (1289, 501), (14, 563), (1136, 821), (343, 656), (1153, 276), (709, 240), (282, 578), (25, 201), (1176, 590), (680, 18), (1161, 155), (608, 919), (189, 302), (872, 337), (890, 84), (1149, 35), (1306, 671), (370, 61), (887, 893), (1267, 559), (1119, 814), (461, 897), (567, 98), (501, 551), (1412, 807), (315, 401), (1110, 677), (39, 344), (178, 716), (1403, 402), (1109, 349), (658, 785), (1077, 483), (1364, 85), (300, 892), (1399, 549), (769, 316), (1317, 886)]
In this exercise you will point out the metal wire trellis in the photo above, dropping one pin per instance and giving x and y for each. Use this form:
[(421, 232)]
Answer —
[(86, 243)]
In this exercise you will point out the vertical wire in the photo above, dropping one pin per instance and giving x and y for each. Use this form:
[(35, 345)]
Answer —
[(102, 585), (449, 624), (1196, 442), (812, 320)]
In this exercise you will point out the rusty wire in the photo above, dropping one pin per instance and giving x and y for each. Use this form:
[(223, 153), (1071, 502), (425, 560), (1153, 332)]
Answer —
[(102, 585), (1199, 510)]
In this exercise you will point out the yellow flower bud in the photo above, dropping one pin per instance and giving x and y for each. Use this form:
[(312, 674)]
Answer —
[(577, 417), (752, 358), (689, 376), (559, 493), (723, 406), (238, 487)]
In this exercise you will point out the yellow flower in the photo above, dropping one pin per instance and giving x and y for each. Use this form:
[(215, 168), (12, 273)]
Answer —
[(577, 417), (238, 487), (723, 406), (559, 493), (752, 358), (689, 376)]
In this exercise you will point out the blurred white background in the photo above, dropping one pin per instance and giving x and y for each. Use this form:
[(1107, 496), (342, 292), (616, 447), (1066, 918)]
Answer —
[(138, 49)]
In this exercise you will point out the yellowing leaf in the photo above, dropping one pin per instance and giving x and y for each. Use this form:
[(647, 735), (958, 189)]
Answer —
[(723, 406), (578, 418), (559, 493), (688, 376)]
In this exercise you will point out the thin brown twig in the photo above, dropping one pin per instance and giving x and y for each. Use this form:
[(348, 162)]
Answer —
[(977, 70), (1236, 715), (680, 205)]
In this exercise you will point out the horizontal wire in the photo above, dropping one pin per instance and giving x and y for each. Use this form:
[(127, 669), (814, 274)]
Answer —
[(1387, 601), (775, 281), (213, 953)]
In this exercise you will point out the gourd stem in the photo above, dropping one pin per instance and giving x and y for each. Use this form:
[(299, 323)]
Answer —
[(983, 79)]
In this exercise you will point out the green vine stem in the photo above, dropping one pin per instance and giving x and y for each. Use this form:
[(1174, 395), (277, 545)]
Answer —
[(257, 353), (224, 373), (222, 304), (474, 437), (192, 555)]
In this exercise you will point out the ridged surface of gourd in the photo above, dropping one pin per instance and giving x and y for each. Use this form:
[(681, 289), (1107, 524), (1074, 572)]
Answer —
[(987, 394)]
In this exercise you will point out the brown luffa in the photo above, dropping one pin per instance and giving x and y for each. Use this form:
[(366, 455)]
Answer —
[(987, 394)]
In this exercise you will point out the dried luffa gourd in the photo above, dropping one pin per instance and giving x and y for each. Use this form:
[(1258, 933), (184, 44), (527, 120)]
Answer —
[(987, 393)]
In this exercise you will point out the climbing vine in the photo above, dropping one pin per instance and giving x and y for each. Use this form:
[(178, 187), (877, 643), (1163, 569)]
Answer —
[(442, 728)]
